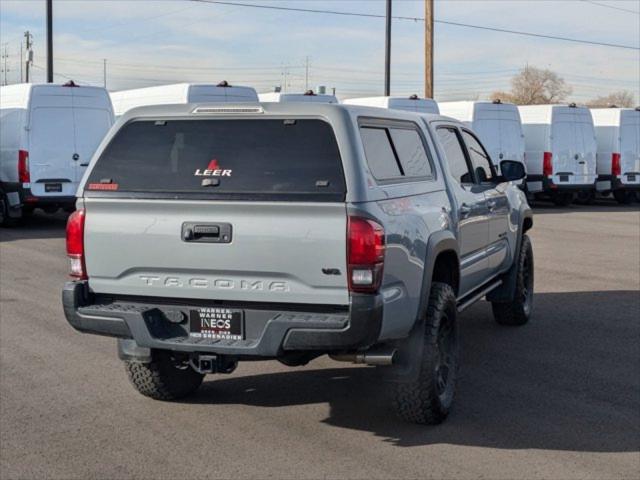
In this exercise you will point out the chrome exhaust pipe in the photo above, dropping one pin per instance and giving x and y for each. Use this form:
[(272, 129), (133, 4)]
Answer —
[(379, 357)]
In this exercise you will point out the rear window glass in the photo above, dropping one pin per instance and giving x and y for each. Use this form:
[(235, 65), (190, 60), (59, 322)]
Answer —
[(223, 157)]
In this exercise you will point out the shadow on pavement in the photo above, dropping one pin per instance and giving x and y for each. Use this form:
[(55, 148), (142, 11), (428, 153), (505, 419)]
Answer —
[(569, 380), (38, 225)]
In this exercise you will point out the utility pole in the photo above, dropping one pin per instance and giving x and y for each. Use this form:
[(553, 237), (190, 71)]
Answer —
[(28, 54), (428, 48), (387, 52), (49, 41), (20, 61), (104, 72), (4, 58)]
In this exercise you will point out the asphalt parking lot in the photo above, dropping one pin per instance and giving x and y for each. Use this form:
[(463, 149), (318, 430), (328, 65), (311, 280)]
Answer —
[(558, 398)]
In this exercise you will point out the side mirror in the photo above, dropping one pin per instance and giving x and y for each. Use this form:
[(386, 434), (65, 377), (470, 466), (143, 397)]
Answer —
[(512, 171)]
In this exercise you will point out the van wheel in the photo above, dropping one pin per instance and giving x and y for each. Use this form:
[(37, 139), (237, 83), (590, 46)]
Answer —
[(5, 219), (518, 311), (428, 398), (623, 197), (562, 199), (586, 197), (164, 378)]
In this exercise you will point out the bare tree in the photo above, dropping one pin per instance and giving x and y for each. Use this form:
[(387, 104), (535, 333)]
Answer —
[(534, 86), (622, 98)]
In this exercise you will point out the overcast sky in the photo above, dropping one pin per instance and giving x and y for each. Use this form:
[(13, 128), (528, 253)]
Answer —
[(150, 42)]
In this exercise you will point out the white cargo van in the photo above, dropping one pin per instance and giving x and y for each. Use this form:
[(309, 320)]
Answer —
[(411, 104), (560, 144), (48, 134), (309, 96), (618, 135), (181, 93), (497, 124)]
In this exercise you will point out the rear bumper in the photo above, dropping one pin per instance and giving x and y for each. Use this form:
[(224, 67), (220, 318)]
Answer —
[(269, 332), (549, 186), (28, 199), (615, 183)]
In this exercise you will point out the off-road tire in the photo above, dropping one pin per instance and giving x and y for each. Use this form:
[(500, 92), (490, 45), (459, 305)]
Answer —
[(425, 400), (518, 311), (623, 197), (163, 378)]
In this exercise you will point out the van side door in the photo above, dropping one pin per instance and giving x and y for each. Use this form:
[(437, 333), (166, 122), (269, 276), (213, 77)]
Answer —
[(497, 202), (470, 210)]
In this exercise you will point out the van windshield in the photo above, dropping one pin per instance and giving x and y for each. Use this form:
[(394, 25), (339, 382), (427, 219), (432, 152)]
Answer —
[(243, 159)]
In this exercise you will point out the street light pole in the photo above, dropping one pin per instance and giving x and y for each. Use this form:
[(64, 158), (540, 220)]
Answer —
[(387, 52)]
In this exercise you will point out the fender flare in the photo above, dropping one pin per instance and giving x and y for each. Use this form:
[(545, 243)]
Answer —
[(441, 241)]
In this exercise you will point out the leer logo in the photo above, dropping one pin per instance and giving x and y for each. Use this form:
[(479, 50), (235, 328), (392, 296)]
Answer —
[(212, 170)]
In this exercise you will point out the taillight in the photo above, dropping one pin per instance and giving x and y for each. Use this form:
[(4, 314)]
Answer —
[(365, 254), (75, 244), (23, 167), (616, 169), (547, 164)]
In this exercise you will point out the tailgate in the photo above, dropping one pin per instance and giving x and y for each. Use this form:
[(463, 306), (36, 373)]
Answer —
[(247, 210), (277, 251)]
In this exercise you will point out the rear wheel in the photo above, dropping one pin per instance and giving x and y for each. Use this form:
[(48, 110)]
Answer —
[(428, 398), (562, 199), (518, 311), (623, 197), (164, 378)]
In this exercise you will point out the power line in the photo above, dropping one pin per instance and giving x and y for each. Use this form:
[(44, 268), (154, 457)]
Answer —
[(613, 7), (418, 19)]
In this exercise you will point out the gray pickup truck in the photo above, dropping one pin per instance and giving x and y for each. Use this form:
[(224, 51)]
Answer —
[(209, 234)]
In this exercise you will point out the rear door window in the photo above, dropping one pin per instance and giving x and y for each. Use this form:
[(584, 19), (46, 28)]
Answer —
[(244, 159)]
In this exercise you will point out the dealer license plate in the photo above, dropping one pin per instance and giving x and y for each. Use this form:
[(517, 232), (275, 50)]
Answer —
[(216, 323)]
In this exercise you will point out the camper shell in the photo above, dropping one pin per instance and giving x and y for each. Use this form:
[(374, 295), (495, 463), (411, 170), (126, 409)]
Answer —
[(561, 149), (308, 97), (409, 104), (497, 124), (222, 92), (618, 159), (48, 134)]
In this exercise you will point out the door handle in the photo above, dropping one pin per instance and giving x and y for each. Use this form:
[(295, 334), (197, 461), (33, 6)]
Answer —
[(206, 232)]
